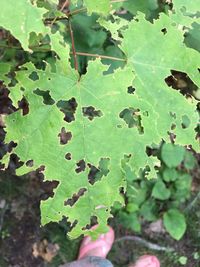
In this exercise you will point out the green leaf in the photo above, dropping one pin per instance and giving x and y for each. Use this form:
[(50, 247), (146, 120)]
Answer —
[(172, 155), (130, 221), (137, 194), (162, 59), (160, 191), (112, 116), (189, 7), (149, 210), (174, 222), (148, 7), (132, 207), (23, 19), (113, 27), (192, 38), (170, 174), (183, 260), (189, 160), (183, 187), (101, 7)]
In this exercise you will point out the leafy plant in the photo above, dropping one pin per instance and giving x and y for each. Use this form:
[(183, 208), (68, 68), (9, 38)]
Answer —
[(88, 124), (162, 198)]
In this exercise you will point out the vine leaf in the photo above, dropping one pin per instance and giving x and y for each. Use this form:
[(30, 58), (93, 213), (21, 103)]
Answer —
[(23, 19)]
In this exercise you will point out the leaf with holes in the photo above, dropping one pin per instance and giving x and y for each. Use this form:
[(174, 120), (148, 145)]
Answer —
[(149, 7), (22, 14), (162, 108), (82, 128)]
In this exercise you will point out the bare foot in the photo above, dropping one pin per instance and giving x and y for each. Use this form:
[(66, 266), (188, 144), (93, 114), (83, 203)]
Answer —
[(99, 247), (146, 261)]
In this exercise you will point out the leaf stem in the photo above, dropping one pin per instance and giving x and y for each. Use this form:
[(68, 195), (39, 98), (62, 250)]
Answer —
[(100, 56), (73, 46), (62, 8), (77, 53), (76, 11)]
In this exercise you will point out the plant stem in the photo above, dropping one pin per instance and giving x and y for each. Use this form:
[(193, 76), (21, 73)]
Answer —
[(77, 53), (76, 11), (100, 56), (62, 8), (73, 46)]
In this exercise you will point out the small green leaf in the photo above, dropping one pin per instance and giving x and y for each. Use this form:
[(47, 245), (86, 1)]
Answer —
[(183, 187), (132, 207), (148, 210), (183, 260), (189, 160), (160, 191), (137, 194), (130, 221), (174, 222), (170, 174), (172, 155)]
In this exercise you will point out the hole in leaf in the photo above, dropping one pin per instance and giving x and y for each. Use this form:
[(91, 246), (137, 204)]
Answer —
[(74, 224), (29, 163), (47, 99), (75, 197), (182, 82), (172, 137), (34, 76), (68, 156), (151, 151), (48, 188), (65, 137), (95, 174), (164, 31), (185, 122), (132, 118), (131, 90), (80, 166), (173, 126), (68, 108), (24, 105), (90, 112), (93, 221)]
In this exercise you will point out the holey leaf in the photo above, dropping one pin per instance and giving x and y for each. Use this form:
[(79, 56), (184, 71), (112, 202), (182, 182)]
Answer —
[(21, 18), (74, 123), (153, 50)]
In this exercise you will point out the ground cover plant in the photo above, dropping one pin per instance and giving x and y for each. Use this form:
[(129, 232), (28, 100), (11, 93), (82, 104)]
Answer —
[(92, 90)]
